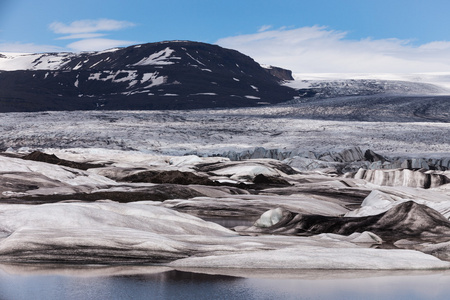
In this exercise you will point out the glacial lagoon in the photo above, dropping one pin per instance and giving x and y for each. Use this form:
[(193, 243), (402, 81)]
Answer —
[(21, 282)]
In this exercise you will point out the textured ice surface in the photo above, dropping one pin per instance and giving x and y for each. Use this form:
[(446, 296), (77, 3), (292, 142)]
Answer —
[(115, 233), (99, 232), (217, 131), (304, 80), (149, 232), (32, 177), (246, 171), (385, 198), (105, 215), (254, 205), (313, 257)]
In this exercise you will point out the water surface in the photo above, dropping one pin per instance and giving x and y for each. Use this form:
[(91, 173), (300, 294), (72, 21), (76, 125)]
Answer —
[(164, 283)]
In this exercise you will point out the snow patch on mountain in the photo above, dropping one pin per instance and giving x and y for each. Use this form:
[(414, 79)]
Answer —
[(154, 79), (116, 77), (159, 58), (194, 59), (23, 61), (204, 94)]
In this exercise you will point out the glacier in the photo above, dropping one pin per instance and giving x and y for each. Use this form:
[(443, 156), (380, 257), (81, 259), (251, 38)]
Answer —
[(38, 227), (271, 190)]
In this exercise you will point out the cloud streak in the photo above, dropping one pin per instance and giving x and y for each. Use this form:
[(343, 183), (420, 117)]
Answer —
[(18, 47), (97, 44), (90, 34), (265, 28), (89, 26), (318, 49)]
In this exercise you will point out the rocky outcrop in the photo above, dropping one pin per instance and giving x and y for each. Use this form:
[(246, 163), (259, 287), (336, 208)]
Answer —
[(171, 177), (371, 156), (264, 181), (279, 73), (53, 159)]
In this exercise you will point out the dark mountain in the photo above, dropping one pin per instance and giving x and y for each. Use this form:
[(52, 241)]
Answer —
[(165, 75)]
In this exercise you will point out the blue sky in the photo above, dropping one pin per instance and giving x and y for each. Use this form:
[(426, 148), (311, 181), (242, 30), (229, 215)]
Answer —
[(303, 35)]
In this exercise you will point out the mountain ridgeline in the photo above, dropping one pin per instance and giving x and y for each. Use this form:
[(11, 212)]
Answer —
[(165, 75)]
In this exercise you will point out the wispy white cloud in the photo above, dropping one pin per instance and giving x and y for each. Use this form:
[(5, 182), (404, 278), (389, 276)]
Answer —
[(18, 47), (89, 26), (81, 36), (97, 44), (264, 28), (90, 33), (322, 50)]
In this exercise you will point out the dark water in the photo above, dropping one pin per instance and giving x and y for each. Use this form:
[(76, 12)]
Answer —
[(232, 222), (172, 284)]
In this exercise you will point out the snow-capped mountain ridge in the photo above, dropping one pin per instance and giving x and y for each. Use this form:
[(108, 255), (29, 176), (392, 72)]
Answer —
[(166, 75), (181, 75)]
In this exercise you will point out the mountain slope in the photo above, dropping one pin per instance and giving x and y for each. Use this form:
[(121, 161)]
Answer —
[(166, 75)]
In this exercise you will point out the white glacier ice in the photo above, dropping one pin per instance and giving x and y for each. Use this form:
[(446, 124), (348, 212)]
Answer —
[(270, 218), (306, 256), (115, 233), (161, 232)]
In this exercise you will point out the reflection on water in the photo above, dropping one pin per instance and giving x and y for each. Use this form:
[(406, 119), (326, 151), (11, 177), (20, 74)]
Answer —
[(164, 283)]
